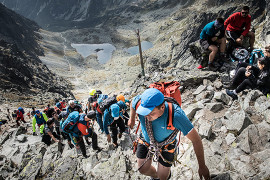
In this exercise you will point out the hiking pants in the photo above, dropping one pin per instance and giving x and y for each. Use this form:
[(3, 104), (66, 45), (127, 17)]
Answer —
[(113, 127), (241, 81), (47, 138), (126, 117), (18, 119), (80, 143), (94, 140), (99, 120)]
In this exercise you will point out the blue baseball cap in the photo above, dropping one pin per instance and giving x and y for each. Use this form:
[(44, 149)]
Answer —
[(115, 109), (150, 99), (37, 111)]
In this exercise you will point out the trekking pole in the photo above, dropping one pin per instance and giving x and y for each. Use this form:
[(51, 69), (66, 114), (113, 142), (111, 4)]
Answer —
[(140, 50)]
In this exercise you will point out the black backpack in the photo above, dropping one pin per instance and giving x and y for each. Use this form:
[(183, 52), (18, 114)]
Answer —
[(106, 103), (240, 54)]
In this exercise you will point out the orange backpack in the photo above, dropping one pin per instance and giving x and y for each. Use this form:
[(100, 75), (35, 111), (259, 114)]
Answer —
[(168, 89)]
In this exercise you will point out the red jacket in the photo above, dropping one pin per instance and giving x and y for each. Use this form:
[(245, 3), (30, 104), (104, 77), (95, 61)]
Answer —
[(237, 23)]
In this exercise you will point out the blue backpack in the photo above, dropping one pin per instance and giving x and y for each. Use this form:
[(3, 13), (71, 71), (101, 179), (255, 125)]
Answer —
[(68, 125), (255, 54), (101, 98), (21, 109)]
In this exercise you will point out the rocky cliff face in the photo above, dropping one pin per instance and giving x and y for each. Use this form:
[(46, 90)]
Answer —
[(22, 72)]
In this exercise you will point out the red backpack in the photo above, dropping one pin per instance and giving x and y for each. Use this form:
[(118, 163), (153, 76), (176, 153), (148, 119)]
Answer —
[(168, 89)]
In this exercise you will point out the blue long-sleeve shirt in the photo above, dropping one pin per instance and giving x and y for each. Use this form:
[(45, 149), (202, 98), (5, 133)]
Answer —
[(210, 31)]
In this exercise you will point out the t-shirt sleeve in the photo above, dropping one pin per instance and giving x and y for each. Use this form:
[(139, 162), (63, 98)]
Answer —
[(135, 101), (181, 121)]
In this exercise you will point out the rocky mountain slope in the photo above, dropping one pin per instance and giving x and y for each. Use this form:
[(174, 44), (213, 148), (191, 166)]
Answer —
[(235, 134), (22, 73)]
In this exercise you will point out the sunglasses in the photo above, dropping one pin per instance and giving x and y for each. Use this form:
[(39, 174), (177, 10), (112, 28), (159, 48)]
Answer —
[(244, 12)]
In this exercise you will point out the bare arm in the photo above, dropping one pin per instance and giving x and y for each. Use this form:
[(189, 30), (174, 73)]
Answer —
[(50, 134), (198, 148), (131, 121)]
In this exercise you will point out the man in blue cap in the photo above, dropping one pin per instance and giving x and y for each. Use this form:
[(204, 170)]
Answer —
[(212, 36), (153, 111), (111, 118)]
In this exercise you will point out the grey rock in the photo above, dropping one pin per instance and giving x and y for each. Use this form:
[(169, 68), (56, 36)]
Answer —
[(223, 176), (205, 130), (230, 138), (266, 114), (221, 97), (218, 84), (31, 170), (205, 95), (237, 121), (249, 140), (262, 104), (200, 89), (191, 110), (21, 138), (214, 107)]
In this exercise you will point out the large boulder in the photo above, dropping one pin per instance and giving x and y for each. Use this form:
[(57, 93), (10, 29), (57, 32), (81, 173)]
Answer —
[(237, 121)]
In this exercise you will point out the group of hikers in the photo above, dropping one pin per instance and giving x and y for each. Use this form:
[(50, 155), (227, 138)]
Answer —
[(156, 141), (253, 71), (160, 115)]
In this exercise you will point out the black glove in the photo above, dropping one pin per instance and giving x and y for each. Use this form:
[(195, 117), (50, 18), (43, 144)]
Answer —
[(34, 134)]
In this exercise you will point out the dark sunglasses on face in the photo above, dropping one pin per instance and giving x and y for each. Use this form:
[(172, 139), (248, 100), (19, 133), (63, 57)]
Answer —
[(244, 12)]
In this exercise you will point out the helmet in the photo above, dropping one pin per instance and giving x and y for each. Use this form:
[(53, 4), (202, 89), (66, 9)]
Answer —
[(92, 92), (91, 114), (120, 97)]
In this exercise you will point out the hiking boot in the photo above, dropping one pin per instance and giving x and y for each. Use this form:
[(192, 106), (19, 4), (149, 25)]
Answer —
[(98, 149), (71, 146), (200, 67), (85, 156), (115, 145), (212, 67), (230, 93), (119, 135)]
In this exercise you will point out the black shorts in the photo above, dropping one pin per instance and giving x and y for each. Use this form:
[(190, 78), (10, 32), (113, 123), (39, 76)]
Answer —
[(142, 151), (205, 44), (234, 34)]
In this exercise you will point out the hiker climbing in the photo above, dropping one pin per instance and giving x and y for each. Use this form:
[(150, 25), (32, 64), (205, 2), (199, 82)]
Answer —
[(211, 37), (92, 98), (85, 125), (122, 101), (237, 27), (62, 117), (73, 107), (40, 119), (20, 116), (158, 142), (49, 134), (112, 119)]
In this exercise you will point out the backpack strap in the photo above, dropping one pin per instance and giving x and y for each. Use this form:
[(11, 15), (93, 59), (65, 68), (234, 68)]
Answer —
[(170, 117)]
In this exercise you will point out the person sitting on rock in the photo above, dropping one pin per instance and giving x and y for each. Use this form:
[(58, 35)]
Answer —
[(252, 77), (238, 25), (20, 116), (212, 36), (40, 119), (112, 118), (73, 107), (49, 134), (156, 141)]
